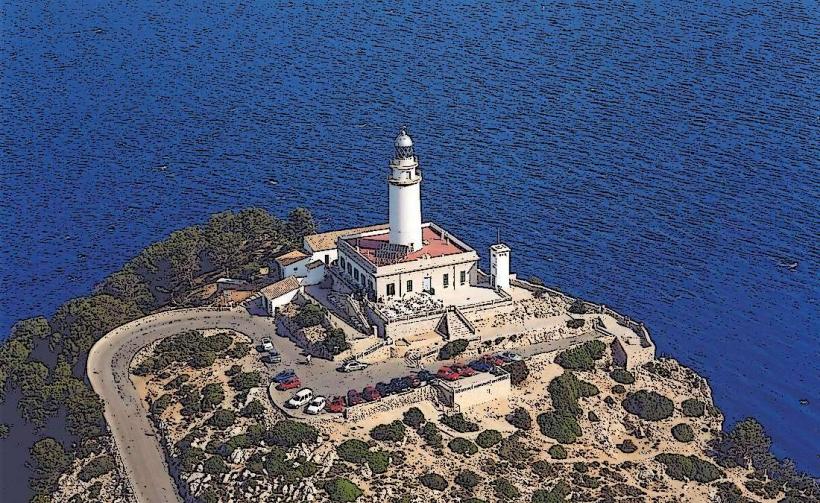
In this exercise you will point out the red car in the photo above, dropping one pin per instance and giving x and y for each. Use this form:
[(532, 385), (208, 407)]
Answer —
[(371, 394), (462, 370), (354, 398), (448, 374), (289, 384), (493, 360), (337, 405)]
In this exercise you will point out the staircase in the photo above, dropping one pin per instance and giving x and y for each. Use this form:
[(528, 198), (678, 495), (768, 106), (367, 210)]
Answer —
[(454, 325)]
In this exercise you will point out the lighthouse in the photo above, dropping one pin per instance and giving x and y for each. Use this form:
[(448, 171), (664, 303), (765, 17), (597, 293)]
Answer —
[(404, 185)]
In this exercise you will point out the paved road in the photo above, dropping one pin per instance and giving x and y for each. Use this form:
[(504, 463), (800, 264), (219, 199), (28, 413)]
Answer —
[(127, 416)]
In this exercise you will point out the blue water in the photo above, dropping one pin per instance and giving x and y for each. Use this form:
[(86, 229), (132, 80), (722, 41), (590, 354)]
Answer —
[(662, 159)]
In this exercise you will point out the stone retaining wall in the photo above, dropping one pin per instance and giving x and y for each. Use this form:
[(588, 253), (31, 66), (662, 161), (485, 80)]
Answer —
[(388, 403)]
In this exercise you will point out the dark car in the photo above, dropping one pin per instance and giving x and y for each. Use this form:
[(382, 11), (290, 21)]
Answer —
[(354, 398), (399, 384), (284, 375), (415, 382), (425, 375), (480, 366), (272, 358), (384, 389), (371, 394)]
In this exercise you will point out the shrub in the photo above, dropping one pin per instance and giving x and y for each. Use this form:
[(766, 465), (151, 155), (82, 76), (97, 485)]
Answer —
[(505, 490), (510, 449), (353, 451), (557, 452), (96, 467), (582, 357), (462, 446), (684, 468), (562, 427), (558, 494), (433, 481), (378, 461), (222, 418), (683, 432), (393, 432), (342, 490), (576, 323), (458, 423), (431, 435), (488, 438), (520, 418), (215, 465), (648, 405), (593, 417), (289, 433), (191, 457), (619, 389), (692, 407), (212, 396), (627, 446), (622, 376), (518, 372), (244, 381), (240, 350), (253, 409), (578, 307), (336, 341), (161, 403), (413, 417), (452, 349), (310, 315), (566, 389), (468, 479)]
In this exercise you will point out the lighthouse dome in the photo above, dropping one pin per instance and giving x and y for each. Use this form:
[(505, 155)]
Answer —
[(404, 145)]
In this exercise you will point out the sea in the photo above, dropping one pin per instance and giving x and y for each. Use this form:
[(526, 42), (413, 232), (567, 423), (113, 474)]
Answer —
[(658, 157)]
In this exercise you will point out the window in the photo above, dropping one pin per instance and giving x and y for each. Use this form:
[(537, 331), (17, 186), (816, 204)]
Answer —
[(463, 277), (446, 281), (327, 258), (342, 263), (370, 284), (409, 285), (349, 269), (391, 289), (356, 274)]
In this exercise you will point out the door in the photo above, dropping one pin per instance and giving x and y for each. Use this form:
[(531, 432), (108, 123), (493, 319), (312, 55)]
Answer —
[(427, 285)]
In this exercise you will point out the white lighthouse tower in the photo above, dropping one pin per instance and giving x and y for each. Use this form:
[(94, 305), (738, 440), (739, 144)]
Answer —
[(405, 195)]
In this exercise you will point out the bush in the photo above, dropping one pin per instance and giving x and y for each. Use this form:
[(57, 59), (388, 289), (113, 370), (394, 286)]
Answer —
[(413, 417), (378, 461), (593, 417), (583, 357), (619, 389), (458, 423), (557, 452), (289, 433), (683, 432), (212, 396), (505, 490), (160, 404), (431, 435), (566, 389), (468, 479), (692, 407), (353, 451), (558, 494), (215, 465), (452, 349), (244, 381), (433, 481), (648, 405), (222, 418), (336, 341), (627, 446), (520, 418), (96, 467), (543, 469), (462, 446), (562, 427), (310, 315), (488, 438), (576, 323), (512, 450), (518, 372), (253, 409), (393, 432), (578, 307), (622, 376), (685, 468), (342, 490)]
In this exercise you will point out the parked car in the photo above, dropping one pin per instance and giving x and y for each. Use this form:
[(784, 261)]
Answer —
[(414, 381), (425, 376), (267, 344), (481, 365), (463, 370), (302, 397), (316, 405), (353, 366), (354, 398), (493, 360), (384, 389), (284, 375), (272, 358), (337, 405), (448, 374), (291, 383), (371, 394), (399, 384), (509, 356)]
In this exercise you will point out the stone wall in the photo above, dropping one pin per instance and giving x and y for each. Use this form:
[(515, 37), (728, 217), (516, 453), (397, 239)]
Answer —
[(388, 403)]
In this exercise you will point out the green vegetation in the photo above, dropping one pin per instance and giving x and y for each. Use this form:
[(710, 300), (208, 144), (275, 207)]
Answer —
[(160, 404), (505, 490), (191, 348), (245, 381), (560, 426), (648, 405), (353, 451), (96, 467), (488, 438), (692, 407), (622, 376), (518, 372), (222, 418), (619, 389), (578, 307), (520, 418), (48, 461), (452, 349), (463, 446), (431, 435), (4, 431), (288, 433), (459, 423), (413, 418), (336, 341), (310, 315), (558, 494), (468, 479), (685, 468), (378, 461), (683, 432), (253, 409), (543, 469), (393, 432), (433, 481), (566, 389), (557, 452), (212, 396), (627, 446), (576, 323), (583, 357), (342, 490)]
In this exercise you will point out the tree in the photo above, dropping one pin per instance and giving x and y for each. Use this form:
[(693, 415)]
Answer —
[(96, 467), (648, 405), (222, 418), (215, 465), (431, 435), (468, 479), (692, 407), (562, 427), (557, 494), (353, 451), (289, 433), (393, 432), (452, 349), (518, 372), (48, 461), (378, 461), (300, 224), (505, 490), (488, 438), (582, 357), (253, 409), (212, 396), (565, 391), (413, 417), (433, 481), (336, 341), (520, 418), (342, 490), (557, 451), (462, 446), (130, 287), (683, 432), (622, 376)]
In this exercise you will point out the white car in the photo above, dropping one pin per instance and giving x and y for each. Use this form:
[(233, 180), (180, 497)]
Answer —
[(353, 365), (302, 397), (510, 356), (316, 405), (267, 344)]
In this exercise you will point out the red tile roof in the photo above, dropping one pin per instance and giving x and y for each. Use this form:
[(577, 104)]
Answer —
[(290, 257), (435, 245)]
